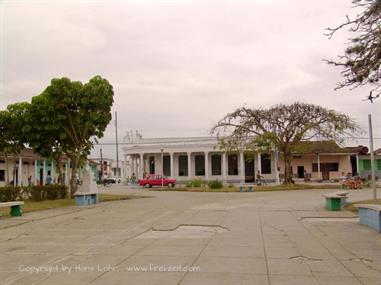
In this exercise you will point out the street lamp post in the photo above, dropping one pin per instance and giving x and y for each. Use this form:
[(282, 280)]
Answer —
[(162, 168)]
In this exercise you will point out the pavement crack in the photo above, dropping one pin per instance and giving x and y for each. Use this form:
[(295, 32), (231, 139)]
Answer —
[(305, 259)]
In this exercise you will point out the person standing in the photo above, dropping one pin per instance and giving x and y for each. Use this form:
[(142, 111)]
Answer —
[(133, 180), (48, 179)]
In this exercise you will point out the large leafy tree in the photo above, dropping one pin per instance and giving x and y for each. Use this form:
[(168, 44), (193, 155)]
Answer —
[(43, 136), (12, 139), (361, 60), (282, 127), (72, 115)]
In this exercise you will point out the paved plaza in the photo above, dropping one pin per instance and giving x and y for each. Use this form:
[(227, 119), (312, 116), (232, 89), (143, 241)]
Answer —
[(193, 238)]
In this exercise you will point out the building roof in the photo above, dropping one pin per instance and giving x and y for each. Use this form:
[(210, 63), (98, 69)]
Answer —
[(308, 147), (360, 149)]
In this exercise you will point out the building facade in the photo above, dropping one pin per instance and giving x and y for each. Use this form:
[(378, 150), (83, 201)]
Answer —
[(195, 158), (365, 169), (30, 168), (201, 158)]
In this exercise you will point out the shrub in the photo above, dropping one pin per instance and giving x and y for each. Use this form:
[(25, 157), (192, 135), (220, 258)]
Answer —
[(11, 193), (215, 184), (195, 183), (35, 193), (47, 192), (230, 185)]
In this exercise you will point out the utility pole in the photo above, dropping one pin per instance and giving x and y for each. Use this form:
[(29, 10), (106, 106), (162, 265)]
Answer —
[(372, 157), (117, 147), (101, 165)]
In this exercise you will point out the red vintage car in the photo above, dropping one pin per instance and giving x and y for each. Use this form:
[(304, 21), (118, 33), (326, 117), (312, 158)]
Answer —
[(156, 180)]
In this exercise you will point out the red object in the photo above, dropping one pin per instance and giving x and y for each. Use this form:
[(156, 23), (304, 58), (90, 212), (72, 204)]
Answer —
[(156, 180)]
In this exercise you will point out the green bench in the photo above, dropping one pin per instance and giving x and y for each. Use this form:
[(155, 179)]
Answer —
[(15, 206), (247, 187), (334, 201)]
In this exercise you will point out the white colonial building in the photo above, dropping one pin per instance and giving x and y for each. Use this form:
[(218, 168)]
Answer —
[(195, 158)]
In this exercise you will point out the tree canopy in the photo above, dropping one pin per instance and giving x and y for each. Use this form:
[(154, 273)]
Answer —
[(362, 58), (281, 127), (12, 139), (67, 117)]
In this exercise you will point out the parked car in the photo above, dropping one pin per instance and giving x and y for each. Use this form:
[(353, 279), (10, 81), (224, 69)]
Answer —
[(109, 180), (156, 180)]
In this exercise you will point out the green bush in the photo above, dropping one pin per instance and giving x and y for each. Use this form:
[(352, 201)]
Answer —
[(35, 193), (195, 183), (47, 192), (215, 184), (11, 193)]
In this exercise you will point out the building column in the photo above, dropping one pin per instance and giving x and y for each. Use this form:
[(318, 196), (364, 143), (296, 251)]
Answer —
[(189, 165), (132, 165), (171, 155), (136, 164), (276, 158), (223, 168), (357, 165), (67, 166), (259, 163), (53, 173), (206, 155), (319, 173), (19, 180), (35, 172), (242, 167), (141, 165), (44, 173)]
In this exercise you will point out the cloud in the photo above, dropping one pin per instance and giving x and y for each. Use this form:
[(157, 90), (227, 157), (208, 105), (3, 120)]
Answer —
[(178, 67)]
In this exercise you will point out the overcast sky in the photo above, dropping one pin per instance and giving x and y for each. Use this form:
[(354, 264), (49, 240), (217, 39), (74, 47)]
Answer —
[(179, 66)]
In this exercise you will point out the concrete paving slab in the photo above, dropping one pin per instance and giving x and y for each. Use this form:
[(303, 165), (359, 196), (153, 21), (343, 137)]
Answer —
[(287, 267), (221, 278), (293, 280), (234, 251), (231, 264), (171, 250), (341, 280), (274, 236)]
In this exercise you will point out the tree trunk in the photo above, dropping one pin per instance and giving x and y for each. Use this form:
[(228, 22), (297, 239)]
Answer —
[(73, 179), (7, 167), (59, 170), (287, 169)]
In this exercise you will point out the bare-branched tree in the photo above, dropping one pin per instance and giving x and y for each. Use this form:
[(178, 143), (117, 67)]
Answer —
[(362, 58), (282, 127)]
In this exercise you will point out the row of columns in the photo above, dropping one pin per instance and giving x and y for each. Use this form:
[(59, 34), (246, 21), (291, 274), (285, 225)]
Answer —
[(137, 164), (20, 181)]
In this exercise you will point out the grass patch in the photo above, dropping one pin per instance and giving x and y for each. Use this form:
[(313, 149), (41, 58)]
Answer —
[(31, 206), (352, 208), (256, 188)]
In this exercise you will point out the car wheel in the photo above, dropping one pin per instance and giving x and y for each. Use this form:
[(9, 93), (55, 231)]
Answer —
[(147, 185), (170, 185)]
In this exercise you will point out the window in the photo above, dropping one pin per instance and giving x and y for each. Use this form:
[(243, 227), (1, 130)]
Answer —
[(2, 175), (199, 165), (266, 164), (216, 164), (378, 164), (167, 165), (232, 164), (183, 165), (152, 165), (367, 164), (332, 166)]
